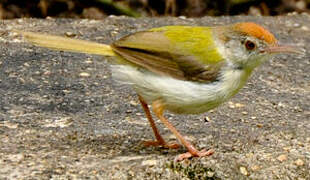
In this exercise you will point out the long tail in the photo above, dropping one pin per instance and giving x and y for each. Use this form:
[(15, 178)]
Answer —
[(67, 44)]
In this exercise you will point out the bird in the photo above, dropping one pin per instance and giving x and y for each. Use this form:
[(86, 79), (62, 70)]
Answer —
[(180, 69)]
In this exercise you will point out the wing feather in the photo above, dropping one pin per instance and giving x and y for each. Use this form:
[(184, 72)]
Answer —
[(155, 52)]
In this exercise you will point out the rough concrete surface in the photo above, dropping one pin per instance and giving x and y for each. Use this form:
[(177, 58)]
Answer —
[(63, 117)]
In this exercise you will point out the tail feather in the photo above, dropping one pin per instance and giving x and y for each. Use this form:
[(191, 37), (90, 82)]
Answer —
[(67, 44)]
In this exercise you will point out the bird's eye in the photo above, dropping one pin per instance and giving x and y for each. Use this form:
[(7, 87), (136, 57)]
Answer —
[(249, 45)]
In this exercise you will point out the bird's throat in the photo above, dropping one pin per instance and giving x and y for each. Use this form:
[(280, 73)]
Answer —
[(233, 80)]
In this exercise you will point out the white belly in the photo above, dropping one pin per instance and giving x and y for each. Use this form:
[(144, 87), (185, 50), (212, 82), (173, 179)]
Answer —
[(181, 96)]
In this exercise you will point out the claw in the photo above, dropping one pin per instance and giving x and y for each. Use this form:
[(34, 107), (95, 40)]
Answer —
[(187, 155)]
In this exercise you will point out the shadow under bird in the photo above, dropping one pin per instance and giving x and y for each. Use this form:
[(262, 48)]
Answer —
[(181, 69)]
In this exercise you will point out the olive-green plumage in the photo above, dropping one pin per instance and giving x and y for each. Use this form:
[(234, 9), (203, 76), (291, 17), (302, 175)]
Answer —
[(183, 52), (192, 41)]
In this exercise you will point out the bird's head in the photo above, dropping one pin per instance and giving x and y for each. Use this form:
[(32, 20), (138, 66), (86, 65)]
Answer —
[(246, 45)]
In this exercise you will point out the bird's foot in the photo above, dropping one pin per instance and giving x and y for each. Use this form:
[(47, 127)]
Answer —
[(201, 153), (162, 144)]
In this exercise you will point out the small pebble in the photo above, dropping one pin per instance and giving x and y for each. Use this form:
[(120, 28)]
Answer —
[(243, 171), (84, 74), (210, 174), (239, 105), (244, 112), (286, 149), (70, 34), (21, 80), (47, 73), (231, 105), (66, 91), (88, 61), (134, 103), (255, 168), (299, 162), (305, 28), (235, 105), (207, 119), (282, 158)]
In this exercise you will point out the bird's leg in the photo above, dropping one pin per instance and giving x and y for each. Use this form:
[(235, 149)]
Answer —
[(158, 109), (159, 140)]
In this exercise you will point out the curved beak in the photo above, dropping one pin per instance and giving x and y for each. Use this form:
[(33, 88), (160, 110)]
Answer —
[(284, 49)]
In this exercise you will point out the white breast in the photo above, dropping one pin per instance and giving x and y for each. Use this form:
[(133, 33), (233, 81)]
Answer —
[(181, 96)]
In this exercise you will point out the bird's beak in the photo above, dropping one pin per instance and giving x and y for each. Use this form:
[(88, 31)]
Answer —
[(284, 49)]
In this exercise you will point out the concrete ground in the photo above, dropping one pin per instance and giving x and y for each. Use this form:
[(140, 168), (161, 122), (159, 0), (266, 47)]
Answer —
[(63, 117)]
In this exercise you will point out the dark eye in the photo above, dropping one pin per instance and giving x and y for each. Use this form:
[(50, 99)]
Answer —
[(249, 45)]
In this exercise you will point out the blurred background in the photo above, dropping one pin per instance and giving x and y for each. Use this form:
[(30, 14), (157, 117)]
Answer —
[(98, 9)]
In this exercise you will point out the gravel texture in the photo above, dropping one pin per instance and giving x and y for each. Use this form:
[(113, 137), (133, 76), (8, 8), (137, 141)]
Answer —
[(63, 117)]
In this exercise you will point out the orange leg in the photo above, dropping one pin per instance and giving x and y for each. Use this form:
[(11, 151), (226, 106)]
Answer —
[(159, 140), (158, 109)]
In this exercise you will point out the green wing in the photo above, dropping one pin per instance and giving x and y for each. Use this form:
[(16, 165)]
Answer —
[(182, 52)]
